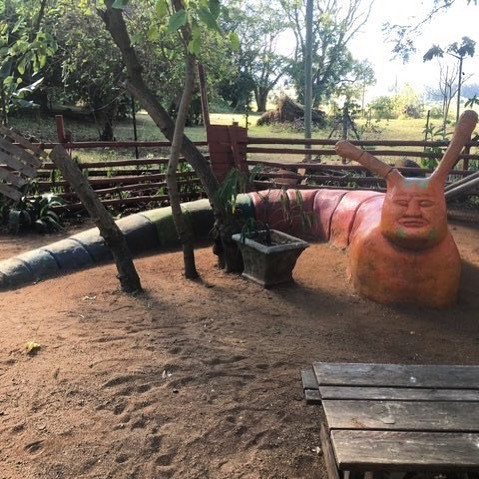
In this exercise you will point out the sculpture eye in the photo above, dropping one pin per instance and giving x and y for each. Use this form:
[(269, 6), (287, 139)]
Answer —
[(401, 203), (426, 203)]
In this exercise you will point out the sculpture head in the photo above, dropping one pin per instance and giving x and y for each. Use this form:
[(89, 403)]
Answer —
[(414, 212)]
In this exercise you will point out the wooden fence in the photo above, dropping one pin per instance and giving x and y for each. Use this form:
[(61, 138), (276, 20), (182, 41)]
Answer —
[(290, 162), (121, 182)]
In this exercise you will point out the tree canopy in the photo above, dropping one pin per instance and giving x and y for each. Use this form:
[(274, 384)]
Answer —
[(62, 50)]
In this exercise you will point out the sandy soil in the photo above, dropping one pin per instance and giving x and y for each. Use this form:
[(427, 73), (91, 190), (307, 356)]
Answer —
[(196, 379)]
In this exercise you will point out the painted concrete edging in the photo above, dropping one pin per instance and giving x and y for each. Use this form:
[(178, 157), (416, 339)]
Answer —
[(146, 231)]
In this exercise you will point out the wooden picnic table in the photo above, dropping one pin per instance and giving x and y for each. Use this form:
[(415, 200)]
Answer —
[(394, 417)]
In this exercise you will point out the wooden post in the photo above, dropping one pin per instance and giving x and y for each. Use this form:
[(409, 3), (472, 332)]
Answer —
[(204, 95), (135, 132), (465, 161), (308, 76), (60, 128), (109, 230)]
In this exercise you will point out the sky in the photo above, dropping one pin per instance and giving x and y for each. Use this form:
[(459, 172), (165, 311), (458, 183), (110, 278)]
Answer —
[(447, 27), (370, 43)]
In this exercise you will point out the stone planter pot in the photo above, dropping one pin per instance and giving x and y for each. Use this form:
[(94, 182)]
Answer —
[(270, 265)]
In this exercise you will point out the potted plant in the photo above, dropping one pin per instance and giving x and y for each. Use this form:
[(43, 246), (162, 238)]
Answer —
[(269, 256), (234, 214), (250, 246)]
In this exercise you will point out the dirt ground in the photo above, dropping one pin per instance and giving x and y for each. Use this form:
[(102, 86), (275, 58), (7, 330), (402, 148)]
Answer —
[(197, 379)]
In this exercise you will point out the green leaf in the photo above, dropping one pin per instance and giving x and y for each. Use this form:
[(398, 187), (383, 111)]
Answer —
[(194, 46), (153, 33), (196, 30), (43, 60), (215, 8), (208, 19), (161, 8), (234, 41), (177, 20), (120, 4)]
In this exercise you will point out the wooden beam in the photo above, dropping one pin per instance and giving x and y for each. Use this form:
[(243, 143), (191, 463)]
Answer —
[(23, 155), (9, 177), (407, 451), (402, 415), (397, 375), (17, 165), (10, 192)]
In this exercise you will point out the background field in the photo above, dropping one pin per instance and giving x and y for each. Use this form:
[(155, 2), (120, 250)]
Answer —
[(43, 129)]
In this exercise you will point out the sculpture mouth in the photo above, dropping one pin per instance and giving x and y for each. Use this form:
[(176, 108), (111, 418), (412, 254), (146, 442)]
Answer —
[(413, 223)]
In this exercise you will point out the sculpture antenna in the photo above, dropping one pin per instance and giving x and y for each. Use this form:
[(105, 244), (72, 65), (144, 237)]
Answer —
[(347, 150), (462, 134)]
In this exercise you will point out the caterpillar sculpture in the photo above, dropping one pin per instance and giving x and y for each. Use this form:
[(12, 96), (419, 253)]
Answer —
[(400, 249)]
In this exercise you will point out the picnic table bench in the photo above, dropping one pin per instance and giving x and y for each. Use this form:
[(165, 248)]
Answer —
[(396, 417)]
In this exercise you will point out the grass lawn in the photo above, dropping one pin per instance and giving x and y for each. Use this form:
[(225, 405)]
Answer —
[(43, 129)]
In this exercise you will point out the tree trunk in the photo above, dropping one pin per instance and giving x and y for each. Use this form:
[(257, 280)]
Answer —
[(135, 84), (261, 97), (3, 106), (184, 234), (109, 230)]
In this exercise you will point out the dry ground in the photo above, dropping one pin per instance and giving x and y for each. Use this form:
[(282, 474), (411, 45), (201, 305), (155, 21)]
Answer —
[(196, 379)]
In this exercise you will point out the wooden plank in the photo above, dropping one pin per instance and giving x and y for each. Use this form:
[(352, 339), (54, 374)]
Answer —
[(35, 148), (301, 151), (121, 163), (312, 396), (317, 141), (16, 164), (397, 375), (20, 153), (9, 177), (10, 192), (367, 450), (399, 394), (402, 415), (309, 379), (328, 453)]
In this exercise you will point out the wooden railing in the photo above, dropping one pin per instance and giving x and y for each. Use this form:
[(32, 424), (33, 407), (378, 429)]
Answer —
[(137, 182), (293, 162), (317, 164)]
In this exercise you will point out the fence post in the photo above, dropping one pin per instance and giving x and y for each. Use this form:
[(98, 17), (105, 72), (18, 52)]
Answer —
[(60, 129), (465, 161), (227, 148)]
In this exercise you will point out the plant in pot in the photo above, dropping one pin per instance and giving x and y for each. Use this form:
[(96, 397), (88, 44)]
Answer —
[(231, 221), (269, 255)]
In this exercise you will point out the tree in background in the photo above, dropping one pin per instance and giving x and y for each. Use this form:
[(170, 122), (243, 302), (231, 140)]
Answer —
[(406, 103), (87, 69), (403, 37), (334, 26), (451, 77), (25, 47), (259, 66)]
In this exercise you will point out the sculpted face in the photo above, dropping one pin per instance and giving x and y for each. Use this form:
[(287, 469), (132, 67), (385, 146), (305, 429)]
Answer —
[(414, 213)]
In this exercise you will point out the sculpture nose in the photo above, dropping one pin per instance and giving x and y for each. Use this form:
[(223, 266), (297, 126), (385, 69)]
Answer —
[(413, 209)]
